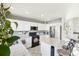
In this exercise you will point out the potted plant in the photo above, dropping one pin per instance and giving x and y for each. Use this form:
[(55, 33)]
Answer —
[(6, 31)]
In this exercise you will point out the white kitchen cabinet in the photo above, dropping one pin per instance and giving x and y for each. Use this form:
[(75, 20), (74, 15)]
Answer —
[(27, 39), (19, 50), (25, 25), (45, 49), (28, 42), (42, 27)]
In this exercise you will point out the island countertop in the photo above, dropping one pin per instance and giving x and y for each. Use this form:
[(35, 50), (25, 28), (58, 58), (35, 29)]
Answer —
[(51, 41)]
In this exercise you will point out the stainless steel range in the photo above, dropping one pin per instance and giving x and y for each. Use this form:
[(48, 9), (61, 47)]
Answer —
[(35, 38)]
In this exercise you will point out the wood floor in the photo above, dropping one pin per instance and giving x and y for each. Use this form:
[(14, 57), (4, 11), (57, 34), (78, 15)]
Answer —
[(35, 51)]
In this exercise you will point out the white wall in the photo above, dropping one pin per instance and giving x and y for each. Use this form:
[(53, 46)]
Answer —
[(71, 14), (73, 11), (76, 24)]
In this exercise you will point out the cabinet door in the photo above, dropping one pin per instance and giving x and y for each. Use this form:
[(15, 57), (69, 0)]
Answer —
[(45, 49), (42, 27), (28, 42)]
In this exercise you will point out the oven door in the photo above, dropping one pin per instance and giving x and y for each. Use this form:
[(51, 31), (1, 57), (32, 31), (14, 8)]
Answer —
[(35, 41)]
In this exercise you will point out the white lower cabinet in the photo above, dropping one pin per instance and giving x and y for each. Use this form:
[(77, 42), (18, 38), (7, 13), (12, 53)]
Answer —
[(26, 39), (45, 49), (28, 42)]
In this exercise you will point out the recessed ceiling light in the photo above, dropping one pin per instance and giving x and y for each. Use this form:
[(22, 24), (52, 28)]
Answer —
[(42, 15), (48, 19), (27, 12)]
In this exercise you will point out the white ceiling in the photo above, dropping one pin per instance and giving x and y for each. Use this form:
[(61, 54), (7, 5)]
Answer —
[(40, 11)]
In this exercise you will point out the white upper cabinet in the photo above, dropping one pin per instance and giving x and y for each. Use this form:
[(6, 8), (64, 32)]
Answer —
[(43, 27), (25, 26)]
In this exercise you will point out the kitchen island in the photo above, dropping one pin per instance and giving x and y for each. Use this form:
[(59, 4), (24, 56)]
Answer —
[(49, 46)]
